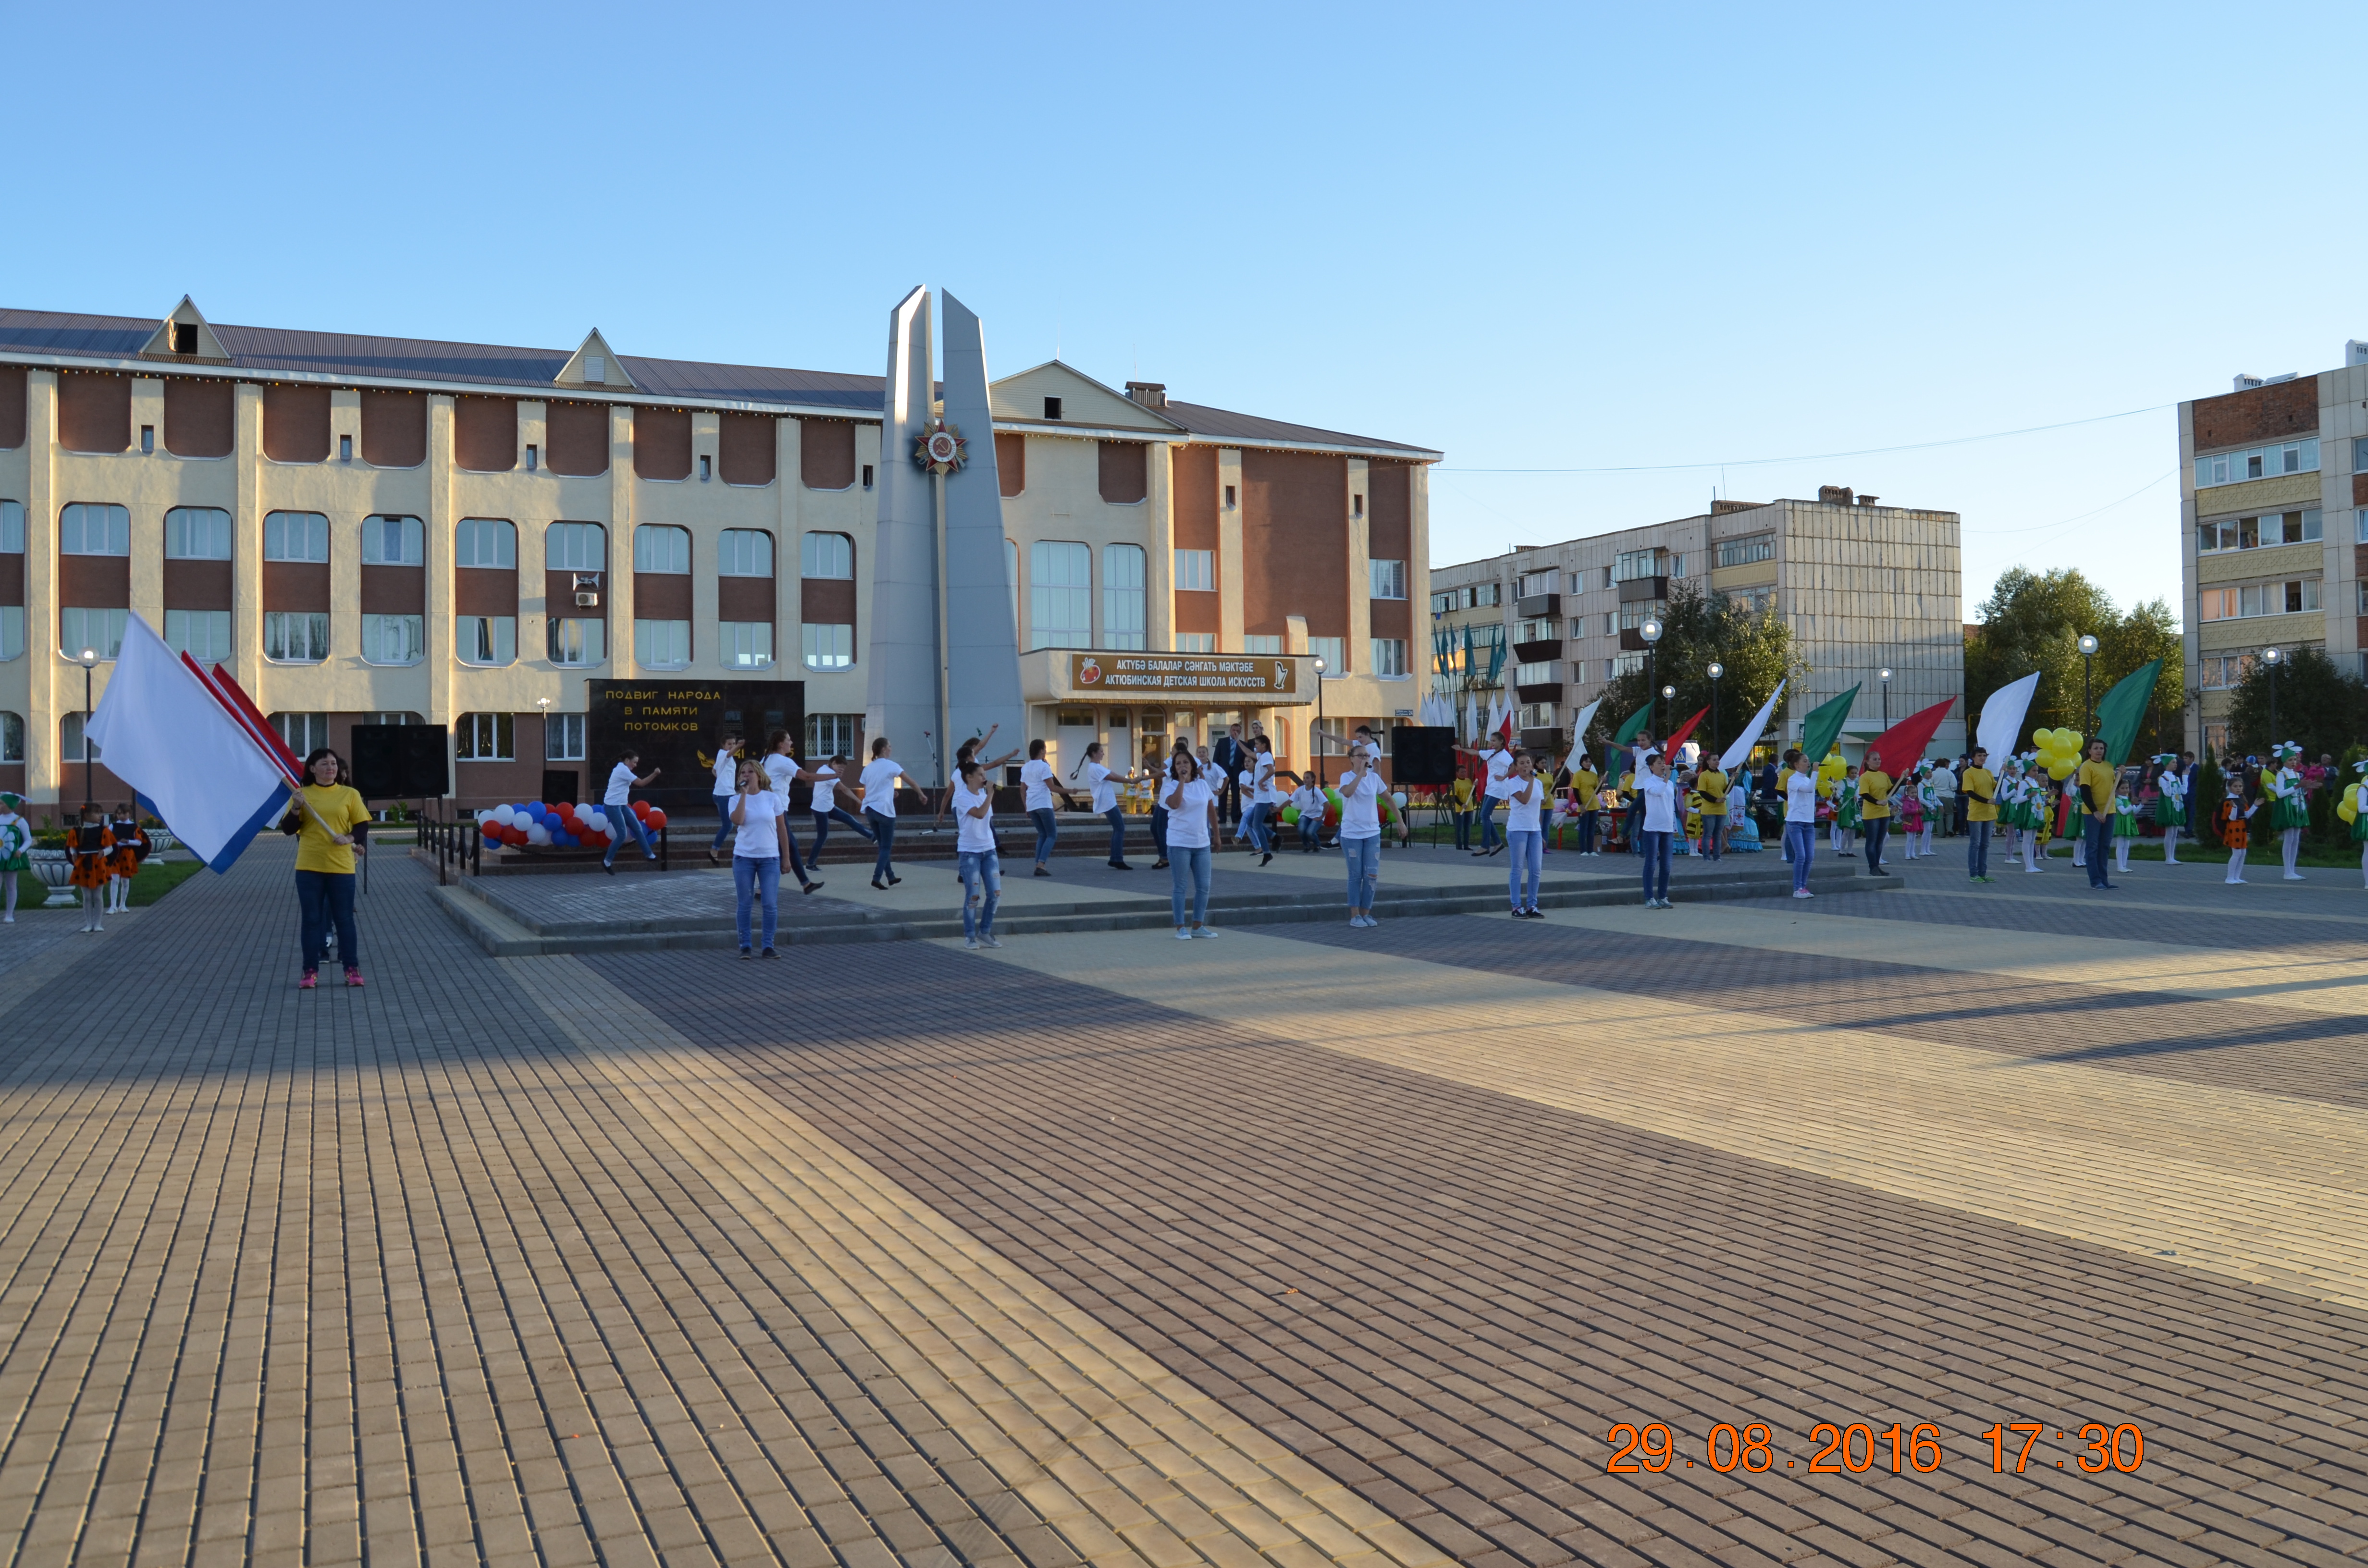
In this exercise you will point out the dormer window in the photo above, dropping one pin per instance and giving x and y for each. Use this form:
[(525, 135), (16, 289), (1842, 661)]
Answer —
[(1051, 408), (185, 337), (595, 367)]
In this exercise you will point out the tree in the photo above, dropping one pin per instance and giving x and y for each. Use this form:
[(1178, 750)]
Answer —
[(2318, 706), (1756, 647), (2031, 621)]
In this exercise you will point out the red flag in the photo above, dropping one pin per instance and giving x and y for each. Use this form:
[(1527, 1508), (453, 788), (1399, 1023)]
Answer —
[(241, 708), (1669, 747), (1902, 746)]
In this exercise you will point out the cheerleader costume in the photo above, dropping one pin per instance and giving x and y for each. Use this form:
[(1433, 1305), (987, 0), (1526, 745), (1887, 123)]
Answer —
[(15, 855), (2360, 836), (2288, 815), (130, 849), (2171, 810), (2038, 810), (92, 868), (2125, 831), (2236, 834)]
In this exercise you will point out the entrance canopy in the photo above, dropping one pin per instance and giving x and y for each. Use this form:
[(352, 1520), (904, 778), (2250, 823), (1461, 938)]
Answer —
[(1224, 680)]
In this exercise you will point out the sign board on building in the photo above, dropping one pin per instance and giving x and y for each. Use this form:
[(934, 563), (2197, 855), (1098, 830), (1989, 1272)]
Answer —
[(1249, 678), (675, 724)]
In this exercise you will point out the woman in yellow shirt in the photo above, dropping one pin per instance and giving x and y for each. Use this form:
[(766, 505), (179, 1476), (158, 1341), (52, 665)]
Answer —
[(1460, 793), (323, 821)]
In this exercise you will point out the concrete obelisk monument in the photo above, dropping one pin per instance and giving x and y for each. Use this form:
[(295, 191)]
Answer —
[(944, 653)]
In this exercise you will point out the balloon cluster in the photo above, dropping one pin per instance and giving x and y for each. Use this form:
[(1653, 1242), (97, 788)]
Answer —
[(2349, 807), (2059, 751), (1830, 773), (1390, 807), (567, 825)]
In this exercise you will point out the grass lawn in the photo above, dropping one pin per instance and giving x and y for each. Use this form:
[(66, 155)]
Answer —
[(158, 878)]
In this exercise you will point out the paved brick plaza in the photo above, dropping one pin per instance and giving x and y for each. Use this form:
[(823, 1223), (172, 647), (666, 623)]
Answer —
[(1309, 1243)]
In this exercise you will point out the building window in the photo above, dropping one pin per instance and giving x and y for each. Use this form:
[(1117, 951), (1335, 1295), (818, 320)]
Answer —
[(1390, 658), (1535, 716), (1389, 579), (575, 640), (12, 527), (393, 639), (486, 639), (2261, 462), (562, 737), (832, 734), (391, 542), (1265, 644), (826, 555), (12, 631), (1635, 563), (1011, 580), (1526, 584), (1624, 663), (662, 644), (1196, 571), (203, 634), (2223, 671), (1051, 408), (101, 630), (661, 549), (1747, 551), (1060, 595), (1544, 629), (2255, 533), (828, 647), (303, 733), (1196, 642), (1486, 595), (745, 552), (485, 737), (295, 637), (12, 737), (2246, 599), (1123, 601), (485, 541), (197, 533), (295, 536), (1444, 603), (746, 644), (1229, 498), (86, 529), (69, 741), (1334, 652), (576, 547)]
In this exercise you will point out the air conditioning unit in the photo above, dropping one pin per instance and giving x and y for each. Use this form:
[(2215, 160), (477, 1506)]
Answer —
[(588, 599), (588, 590)]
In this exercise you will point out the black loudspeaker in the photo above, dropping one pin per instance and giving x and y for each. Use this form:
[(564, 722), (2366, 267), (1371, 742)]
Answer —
[(402, 762), (1422, 755)]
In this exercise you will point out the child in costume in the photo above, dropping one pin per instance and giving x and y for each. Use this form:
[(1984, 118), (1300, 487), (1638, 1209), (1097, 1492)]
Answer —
[(93, 848), (15, 854), (2125, 824), (2169, 805), (2282, 785), (2235, 812), (2038, 811), (130, 849), (1846, 812), (2360, 822)]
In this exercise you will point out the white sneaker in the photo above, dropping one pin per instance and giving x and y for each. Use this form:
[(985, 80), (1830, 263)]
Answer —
[(1204, 931), (990, 941), (2296, 876), (1802, 892), (1184, 936), (970, 944)]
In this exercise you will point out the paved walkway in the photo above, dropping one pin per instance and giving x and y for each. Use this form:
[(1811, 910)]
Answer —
[(1302, 1246)]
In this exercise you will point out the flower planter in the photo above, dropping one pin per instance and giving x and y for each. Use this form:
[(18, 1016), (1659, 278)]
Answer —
[(54, 869)]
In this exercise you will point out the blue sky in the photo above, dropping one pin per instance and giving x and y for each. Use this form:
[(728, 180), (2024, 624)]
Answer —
[(1555, 238)]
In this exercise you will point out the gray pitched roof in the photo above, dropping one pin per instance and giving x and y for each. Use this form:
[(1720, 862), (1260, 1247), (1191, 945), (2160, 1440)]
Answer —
[(342, 355)]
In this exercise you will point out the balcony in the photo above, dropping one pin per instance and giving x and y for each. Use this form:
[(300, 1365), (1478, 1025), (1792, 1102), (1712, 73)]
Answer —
[(1537, 605), (1542, 691), (1643, 588), (1548, 743), (1537, 653), (1631, 639)]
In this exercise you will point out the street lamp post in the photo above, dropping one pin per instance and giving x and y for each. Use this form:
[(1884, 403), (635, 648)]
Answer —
[(1315, 742), (1715, 670), (89, 662), (2087, 661), (2272, 658), (1650, 632), (1884, 675)]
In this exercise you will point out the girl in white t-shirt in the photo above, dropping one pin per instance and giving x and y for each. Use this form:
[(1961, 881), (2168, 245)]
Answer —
[(1360, 836), (760, 827), (781, 770), (1104, 784), (1311, 803), (1192, 821), (1524, 835), (881, 776), (981, 871), (727, 775), (1041, 783), (828, 778)]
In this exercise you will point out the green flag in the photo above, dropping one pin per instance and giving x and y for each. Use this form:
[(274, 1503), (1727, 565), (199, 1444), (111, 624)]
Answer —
[(1627, 732), (2119, 711), (1823, 725)]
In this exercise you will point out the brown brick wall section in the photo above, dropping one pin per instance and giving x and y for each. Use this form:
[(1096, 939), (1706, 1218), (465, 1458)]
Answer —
[(94, 411), (1124, 474), (827, 601), (1193, 475), (394, 590), (197, 417), (576, 438), (484, 434), (484, 590), (1295, 544), (1196, 612), (825, 454), (197, 584), (662, 596), (296, 424), (94, 582), (1011, 464), (748, 449), (2262, 414), (301, 586), (12, 406), (743, 598), (662, 443), (394, 428), (1389, 508), (12, 578)]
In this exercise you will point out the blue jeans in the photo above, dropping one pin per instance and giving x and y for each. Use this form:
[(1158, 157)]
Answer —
[(1464, 830), (1877, 830), (327, 898), (981, 880), (822, 829), (622, 822), (1528, 860), (1978, 848), (722, 821), (1311, 834), (1654, 847), (2098, 830), (1713, 836), (884, 832), (1256, 829), (1587, 832), (750, 873), (1364, 859), (1116, 819), (1488, 822), (1159, 829), (1188, 873), (1800, 846), (1048, 831)]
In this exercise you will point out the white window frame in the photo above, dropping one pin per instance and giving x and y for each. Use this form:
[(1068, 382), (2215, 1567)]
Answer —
[(1196, 642), (826, 555), (277, 543), (12, 527), (12, 737), (662, 644), (314, 641), (575, 642), (827, 645), (833, 735), (1124, 605), (1387, 579), (474, 734), (12, 633), (736, 551), (212, 522), (562, 737), (470, 538), (1265, 644), (203, 634), (744, 644), (1747, 550), (662, 549), (409, 538), (77, 520), (76, 633), (1060, 593), (1196, 571), (410, 639), (576, 547), (301, 733), (2275, 461), (485, 641), (1389, 654), (1334, 652)]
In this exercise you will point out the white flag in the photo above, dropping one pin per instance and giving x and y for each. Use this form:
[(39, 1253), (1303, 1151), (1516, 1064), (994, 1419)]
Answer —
[(1750, 736), (2003, 716)]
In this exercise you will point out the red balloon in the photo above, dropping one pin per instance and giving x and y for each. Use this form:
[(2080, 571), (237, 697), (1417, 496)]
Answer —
[(656, 819), (641, 810)]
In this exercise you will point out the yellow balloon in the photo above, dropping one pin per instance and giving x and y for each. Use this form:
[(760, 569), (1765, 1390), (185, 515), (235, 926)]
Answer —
[(2350, 808), (2070, 740), (2059, 770)]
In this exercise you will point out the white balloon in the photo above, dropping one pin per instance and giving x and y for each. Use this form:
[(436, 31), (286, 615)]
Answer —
[(1399, 800), (599, 822), (506, 816), (538, 834), (484, 814)]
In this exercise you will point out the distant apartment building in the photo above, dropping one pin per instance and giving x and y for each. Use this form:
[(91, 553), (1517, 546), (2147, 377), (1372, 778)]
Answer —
[(1865, 587), (2264, 470)]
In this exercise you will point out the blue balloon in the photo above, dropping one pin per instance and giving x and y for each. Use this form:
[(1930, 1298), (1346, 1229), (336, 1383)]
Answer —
[(565, 840)]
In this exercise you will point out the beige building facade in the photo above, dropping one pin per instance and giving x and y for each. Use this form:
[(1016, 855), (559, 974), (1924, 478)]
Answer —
[(369, 529), (1863, 587)]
